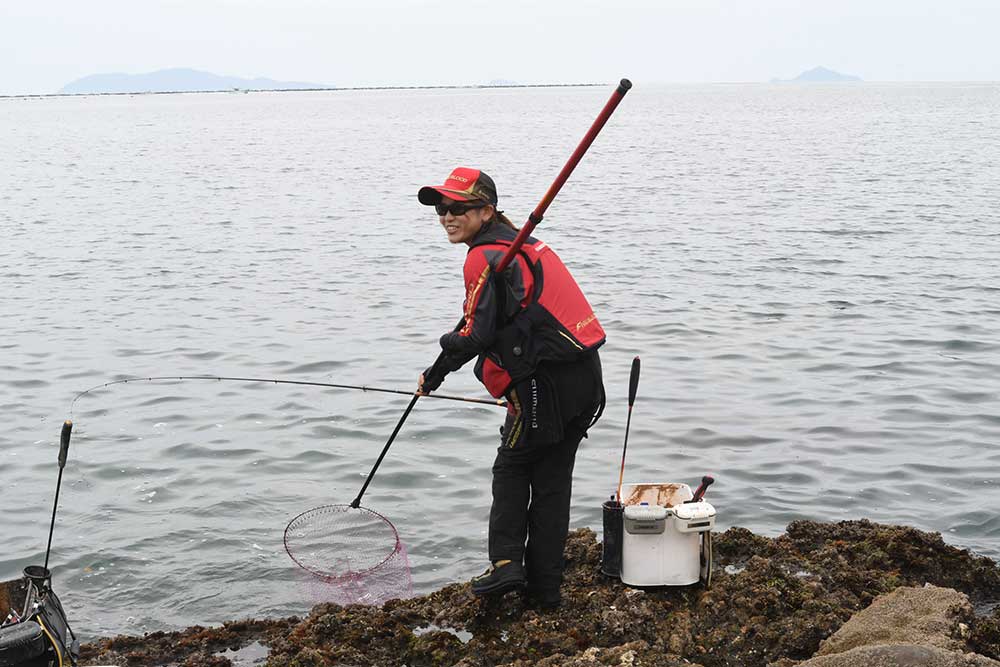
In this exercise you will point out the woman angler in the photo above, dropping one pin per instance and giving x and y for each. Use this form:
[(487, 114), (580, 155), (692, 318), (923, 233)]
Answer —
[(535, 338)]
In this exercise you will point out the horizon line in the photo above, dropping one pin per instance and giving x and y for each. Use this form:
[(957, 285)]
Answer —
[(314, 89), (475, 86)]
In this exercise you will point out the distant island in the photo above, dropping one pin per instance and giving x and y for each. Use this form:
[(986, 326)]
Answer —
[(177, 81), (819, 75)]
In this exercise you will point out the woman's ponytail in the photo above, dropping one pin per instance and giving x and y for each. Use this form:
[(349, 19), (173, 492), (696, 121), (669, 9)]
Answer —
[(499, 217)]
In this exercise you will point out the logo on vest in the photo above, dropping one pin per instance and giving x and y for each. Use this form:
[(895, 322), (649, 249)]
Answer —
[(534, 403), (582, 323)]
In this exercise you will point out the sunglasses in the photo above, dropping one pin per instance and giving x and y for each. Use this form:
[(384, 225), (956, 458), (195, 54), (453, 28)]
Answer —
[(457, 208)]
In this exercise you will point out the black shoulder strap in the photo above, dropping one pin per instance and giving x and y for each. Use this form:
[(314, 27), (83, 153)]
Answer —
[(505, 309)]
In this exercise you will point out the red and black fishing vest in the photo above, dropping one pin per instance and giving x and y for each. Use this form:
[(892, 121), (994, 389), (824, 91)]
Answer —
[(554, 323)]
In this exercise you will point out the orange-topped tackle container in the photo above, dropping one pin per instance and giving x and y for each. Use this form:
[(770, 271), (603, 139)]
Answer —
[(664, 535)]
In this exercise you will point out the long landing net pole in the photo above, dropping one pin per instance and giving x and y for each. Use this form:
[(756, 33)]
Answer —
[(533, 219), (536, 216)]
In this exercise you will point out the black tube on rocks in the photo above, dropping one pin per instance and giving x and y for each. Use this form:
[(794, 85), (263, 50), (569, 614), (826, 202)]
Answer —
[(611, 555)]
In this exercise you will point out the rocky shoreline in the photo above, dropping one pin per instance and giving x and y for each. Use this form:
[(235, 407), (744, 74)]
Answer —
[(821, 595)]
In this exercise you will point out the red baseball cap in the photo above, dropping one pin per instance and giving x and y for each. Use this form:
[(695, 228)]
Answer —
[(463, 184)]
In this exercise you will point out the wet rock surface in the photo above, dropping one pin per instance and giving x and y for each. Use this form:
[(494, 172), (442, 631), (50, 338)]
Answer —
[(772, 601), (195, 646), (928, 616), (900, 655)]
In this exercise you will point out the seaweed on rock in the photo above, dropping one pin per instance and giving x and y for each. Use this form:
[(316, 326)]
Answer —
[(780, 599)]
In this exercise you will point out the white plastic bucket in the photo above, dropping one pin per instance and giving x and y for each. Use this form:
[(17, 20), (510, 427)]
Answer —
[(661, 536)]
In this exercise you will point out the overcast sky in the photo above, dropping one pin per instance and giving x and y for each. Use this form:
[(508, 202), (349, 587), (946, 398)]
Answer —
[(46, 44)]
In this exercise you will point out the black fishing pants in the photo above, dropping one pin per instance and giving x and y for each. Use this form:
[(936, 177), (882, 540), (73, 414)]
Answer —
[(533, 477), (532, 486)]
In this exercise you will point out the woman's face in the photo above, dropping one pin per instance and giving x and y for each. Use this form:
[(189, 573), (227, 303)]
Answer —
[(464, 227)]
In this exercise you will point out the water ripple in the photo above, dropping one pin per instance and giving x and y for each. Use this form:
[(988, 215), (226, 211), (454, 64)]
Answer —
[(818, 331)]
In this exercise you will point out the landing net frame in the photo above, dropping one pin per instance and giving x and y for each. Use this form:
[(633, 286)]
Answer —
[(309, 542)]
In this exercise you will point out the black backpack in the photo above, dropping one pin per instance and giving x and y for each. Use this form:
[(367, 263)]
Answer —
[(34, 630)]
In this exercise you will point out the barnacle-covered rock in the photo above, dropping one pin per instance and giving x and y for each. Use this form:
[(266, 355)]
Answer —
[(773, 601)]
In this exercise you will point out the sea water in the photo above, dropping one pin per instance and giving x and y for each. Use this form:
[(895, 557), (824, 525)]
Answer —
[(809, 274)]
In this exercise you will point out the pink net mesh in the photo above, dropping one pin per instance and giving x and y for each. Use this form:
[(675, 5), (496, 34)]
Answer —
[(355, 555)]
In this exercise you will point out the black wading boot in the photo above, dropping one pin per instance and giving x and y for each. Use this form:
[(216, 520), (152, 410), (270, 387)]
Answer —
[(542, 600), (501, 576)]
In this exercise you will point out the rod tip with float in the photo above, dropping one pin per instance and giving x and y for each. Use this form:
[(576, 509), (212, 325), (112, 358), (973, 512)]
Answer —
[(633, 383), (67, 429), (633, 387)]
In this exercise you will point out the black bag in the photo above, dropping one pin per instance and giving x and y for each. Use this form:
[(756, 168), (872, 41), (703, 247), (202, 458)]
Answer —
[(22, 644), (41, 637)]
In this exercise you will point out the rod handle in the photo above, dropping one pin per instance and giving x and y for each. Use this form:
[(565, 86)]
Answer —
[(633, 382), (624, 86), (67, 428), (706, 482)]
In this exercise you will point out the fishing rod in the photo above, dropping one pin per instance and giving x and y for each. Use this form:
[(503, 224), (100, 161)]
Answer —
[(220, 378), (534, 218), (67, 429), (633, 386)]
